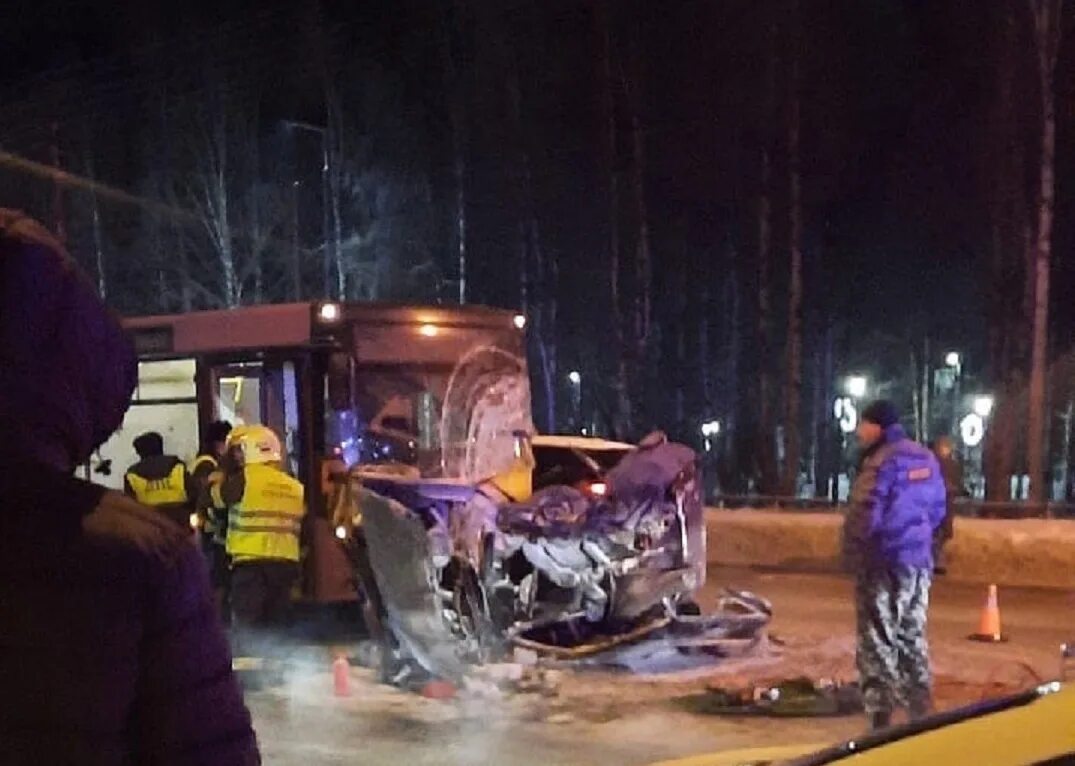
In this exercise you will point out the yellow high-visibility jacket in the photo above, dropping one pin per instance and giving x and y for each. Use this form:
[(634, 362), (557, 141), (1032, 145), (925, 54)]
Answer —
[(170, 490), (265, 522)]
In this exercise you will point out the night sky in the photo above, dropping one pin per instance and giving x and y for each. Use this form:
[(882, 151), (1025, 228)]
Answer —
[(895, 102)]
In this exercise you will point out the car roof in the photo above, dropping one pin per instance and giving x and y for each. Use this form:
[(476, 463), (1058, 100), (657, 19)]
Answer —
[(584, 443)]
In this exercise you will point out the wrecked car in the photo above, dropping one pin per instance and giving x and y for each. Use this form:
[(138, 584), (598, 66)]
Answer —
[(457, 572)]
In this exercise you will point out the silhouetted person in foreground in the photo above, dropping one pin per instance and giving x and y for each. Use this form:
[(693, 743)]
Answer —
[(110, 651)]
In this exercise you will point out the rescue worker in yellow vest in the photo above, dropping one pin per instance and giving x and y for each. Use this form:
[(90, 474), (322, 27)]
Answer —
[(265, 510), (207, 472), (160, 480)]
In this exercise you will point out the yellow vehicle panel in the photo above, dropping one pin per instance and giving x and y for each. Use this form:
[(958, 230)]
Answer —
[(1040, 731)]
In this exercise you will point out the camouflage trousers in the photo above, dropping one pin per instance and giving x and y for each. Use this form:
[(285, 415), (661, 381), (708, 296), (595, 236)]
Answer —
[(892, 653)]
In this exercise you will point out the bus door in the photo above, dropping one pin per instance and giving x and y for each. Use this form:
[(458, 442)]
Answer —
[(266, 392), (165, 401)]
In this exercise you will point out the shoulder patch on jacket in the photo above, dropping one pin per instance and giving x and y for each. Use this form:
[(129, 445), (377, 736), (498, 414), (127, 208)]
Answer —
[(919, 474)]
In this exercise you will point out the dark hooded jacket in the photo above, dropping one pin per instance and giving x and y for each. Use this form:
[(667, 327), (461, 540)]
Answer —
[(108, 655)]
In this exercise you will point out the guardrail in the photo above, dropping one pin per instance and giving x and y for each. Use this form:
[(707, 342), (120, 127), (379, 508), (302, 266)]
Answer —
[(977, 509)]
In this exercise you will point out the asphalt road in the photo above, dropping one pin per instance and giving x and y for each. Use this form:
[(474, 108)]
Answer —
[(302, 724)]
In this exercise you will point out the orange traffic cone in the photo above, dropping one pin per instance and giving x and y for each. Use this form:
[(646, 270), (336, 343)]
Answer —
[(341, 677), (989, 625)]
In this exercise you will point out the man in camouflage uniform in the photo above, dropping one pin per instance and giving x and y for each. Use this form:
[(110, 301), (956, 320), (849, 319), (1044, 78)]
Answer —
[(897, 503)]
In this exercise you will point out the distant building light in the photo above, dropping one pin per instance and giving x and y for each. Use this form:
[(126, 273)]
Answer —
[(429, 330), (983, 406), (953, 359), (710, 428), (972, 429), (519, 321), (846, 414), (575, 377), (856, 386)]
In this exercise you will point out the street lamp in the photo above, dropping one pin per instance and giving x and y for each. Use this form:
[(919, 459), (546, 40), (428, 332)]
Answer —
[(710, 428), (983, 406), (953, 359), (856, 385), (575, 379)]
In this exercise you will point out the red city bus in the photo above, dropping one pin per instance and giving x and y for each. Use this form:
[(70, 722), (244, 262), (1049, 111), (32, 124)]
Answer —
[(353, 382)]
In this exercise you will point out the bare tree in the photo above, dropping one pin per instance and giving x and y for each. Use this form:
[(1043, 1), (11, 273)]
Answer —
[(632, 77), (630, 284), (763, 325), (1046, 28), (95, 223), (208, 188), (793, 351), (539, 269), (1009, 311), (453, 27), (335, 160), (623, 418)]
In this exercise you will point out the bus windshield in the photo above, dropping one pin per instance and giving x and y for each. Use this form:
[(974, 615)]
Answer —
[(441, 418)]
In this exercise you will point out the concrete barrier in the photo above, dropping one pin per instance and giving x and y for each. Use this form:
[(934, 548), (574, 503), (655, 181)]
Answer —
[(1030, 552)]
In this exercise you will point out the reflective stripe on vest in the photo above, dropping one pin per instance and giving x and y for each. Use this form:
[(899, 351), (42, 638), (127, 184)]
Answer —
[(171, 490), (201, 460), (265, 524), (215, 523)]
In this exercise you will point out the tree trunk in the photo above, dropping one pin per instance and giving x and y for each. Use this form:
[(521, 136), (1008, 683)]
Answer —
[(296, 256), (1009, 311), (186, 301), (59, 217), (624, 416), (1046, 15), (333, 137), (793, 356), (457, 112), (643, 276), (539, 268), (765, 444), (98, 233), (826, 437), (916, 394)]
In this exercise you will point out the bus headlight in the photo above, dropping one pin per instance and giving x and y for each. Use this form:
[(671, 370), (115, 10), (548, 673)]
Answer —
[(329, 312)]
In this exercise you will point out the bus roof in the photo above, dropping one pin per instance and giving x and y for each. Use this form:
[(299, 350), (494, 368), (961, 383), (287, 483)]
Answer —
[(293, 325)]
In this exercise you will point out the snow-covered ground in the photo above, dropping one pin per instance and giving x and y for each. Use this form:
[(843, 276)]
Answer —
[(601, 717)]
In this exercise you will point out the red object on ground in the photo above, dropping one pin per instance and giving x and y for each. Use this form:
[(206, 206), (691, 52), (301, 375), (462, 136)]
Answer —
[(341, 677), (439, 690)]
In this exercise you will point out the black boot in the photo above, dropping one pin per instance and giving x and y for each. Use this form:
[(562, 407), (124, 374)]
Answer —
[(880, 721)]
